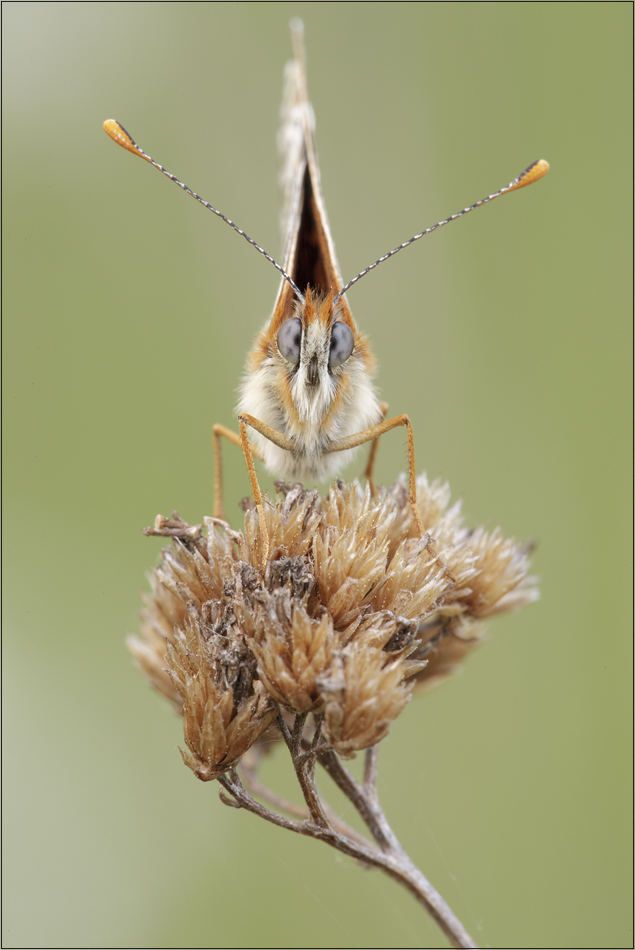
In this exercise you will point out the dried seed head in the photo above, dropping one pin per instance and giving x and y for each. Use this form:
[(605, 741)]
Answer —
[(224, 708), (363, 694), (194, 571), (293, 651), (352, 611)]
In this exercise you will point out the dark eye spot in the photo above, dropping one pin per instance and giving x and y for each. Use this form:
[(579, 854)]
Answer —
[(342, 343), (289, 339)]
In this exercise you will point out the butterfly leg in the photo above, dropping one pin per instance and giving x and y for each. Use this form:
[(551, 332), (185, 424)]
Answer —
[(218, 431), (370, 468), (373, 433), (248, 451)]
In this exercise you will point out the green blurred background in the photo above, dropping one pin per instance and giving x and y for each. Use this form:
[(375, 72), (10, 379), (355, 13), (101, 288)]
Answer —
[(128, 314)]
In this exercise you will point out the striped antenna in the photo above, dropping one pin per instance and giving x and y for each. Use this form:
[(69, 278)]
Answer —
[(528, 177), (119, 135)]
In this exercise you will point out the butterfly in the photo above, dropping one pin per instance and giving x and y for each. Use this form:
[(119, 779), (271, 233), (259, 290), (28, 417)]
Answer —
[(307, 397)]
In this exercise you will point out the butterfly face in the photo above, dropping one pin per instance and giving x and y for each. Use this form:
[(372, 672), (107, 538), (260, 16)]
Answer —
[(310, 380)]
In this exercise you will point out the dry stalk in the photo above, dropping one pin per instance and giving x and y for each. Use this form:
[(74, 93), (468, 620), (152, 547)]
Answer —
[(318, 822)]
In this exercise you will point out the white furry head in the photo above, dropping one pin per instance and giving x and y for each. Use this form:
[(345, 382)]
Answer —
[(296, 385)]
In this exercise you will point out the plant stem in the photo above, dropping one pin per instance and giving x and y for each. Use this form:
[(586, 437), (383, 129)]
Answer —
[(387, 854), (256, 787)]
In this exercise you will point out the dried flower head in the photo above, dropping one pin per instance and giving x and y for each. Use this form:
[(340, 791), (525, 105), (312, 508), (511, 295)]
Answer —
[(351, 613)]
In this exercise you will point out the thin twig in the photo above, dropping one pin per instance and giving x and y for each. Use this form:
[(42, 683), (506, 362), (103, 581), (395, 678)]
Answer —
[(256, 787), (394, 862), (305, 770), (296, 735), (319, 823), (355, 794), (284, 730), (242, 799), (365, 800), (370, 771)]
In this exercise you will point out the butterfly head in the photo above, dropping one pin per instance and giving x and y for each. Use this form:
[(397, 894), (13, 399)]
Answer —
[(318, 352), (315, 341)]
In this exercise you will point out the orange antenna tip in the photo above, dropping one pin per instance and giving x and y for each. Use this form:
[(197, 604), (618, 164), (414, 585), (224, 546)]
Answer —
[(530, 175), (536, 171), (119, 135)]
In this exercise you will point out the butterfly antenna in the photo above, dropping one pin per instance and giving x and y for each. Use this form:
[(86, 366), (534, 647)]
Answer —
[(528, 177), (119, 135)]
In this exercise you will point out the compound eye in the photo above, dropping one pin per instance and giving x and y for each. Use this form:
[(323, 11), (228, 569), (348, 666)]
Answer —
[(289, 339), (342, 343)]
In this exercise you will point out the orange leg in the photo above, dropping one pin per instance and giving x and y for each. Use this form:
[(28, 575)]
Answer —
[(248, 451), (373, 434), (368, 435), (218, 431), (370, 468)]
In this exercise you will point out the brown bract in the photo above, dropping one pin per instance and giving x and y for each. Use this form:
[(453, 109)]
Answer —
[(352, 612), (225, 708)]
